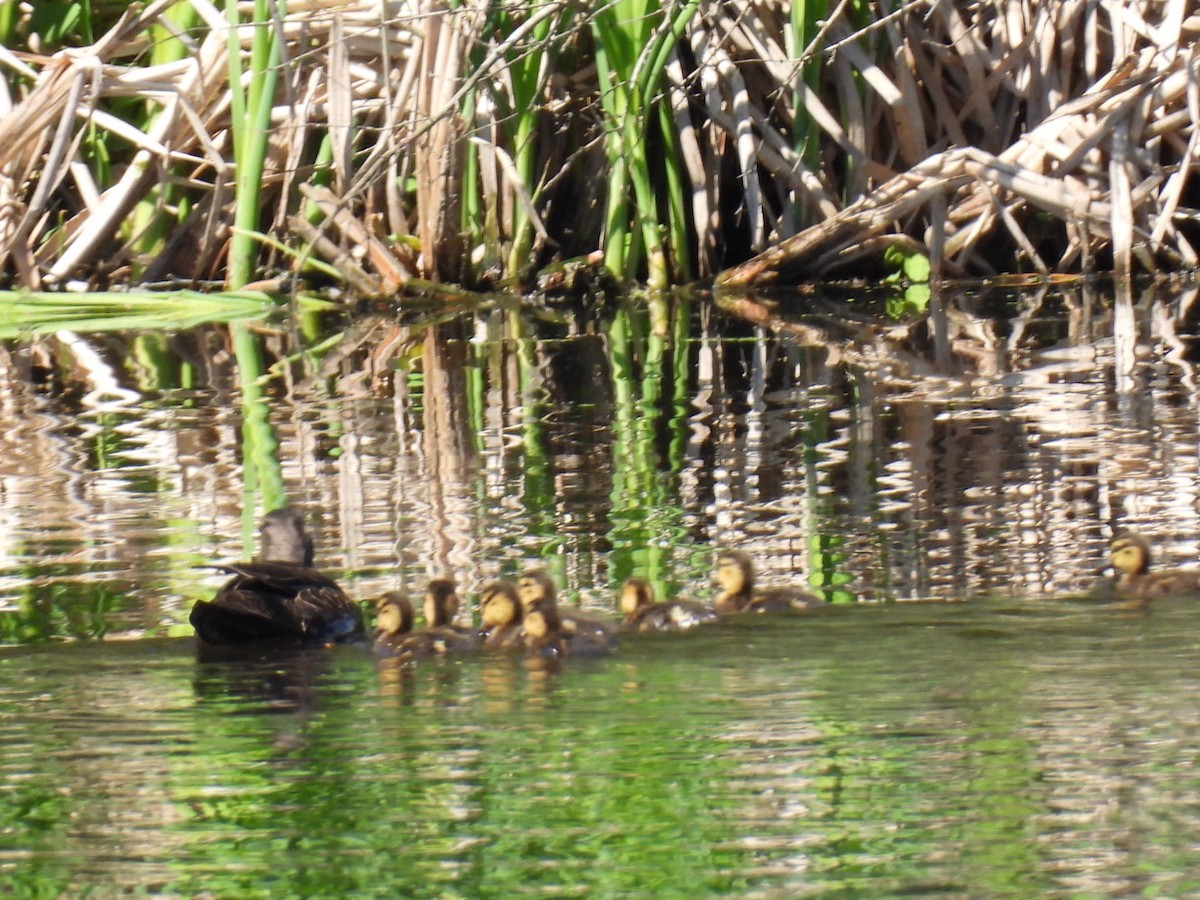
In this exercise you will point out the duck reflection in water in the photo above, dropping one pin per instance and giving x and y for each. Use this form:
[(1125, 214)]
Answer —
[(738, 593), (1130, 557), (279, 596)]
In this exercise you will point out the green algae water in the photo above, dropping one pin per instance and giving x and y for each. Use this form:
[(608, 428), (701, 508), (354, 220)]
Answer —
[(979, 749)]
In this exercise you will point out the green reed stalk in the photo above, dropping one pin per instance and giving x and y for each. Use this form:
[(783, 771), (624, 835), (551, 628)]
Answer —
[(150, 224), (807, 17), (251, 117), (632, 52)]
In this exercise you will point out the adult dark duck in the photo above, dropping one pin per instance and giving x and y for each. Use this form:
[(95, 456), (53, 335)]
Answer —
[(279, 596)]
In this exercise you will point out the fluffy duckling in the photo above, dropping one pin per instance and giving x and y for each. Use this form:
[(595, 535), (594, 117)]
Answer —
[(280, 596), (536, 587), (1129, 554), (643, 613), (440, 633), (500, 614), (393, 622), (735, 576), (582, 634), (394, 634), (544, 632)]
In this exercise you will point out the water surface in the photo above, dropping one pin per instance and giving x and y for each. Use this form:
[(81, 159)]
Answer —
[(959, 722)]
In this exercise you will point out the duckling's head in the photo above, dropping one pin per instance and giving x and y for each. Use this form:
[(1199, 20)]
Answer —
[(542, 624), (284, 538), (441, 603), (393, 615), (536, 588), (499, 605), (734, 573), (1129, 554), (636, 594)]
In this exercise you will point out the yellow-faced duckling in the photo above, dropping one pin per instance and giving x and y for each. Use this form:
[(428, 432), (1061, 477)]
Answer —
[(280, 596), (544, 632), (735, 576), (643, 613), (393, 623), (536, 587), (1130, 556), (440, 607), (584, 634), (500, 616)]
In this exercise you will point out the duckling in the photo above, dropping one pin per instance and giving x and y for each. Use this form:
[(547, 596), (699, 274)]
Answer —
[(1129, 554), (393, 622), (735, 576), (536, 586), (280, 596), (500, 613), (582, 633), (544, 632), (644, 613), (440, 607)]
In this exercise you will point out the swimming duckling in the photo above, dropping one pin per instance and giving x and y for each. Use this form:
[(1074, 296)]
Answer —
[(1129, 554), (544, 632), (735, 576), (536, 586), (583, 634), (500, 614), (280, 596), (644, 613), (440, 634), (393, 622)]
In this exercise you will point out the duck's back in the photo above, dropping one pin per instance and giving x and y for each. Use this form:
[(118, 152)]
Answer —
[(277, 601)]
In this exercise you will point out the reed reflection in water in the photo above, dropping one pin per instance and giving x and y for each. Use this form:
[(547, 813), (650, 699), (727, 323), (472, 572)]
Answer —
[(831, 445)]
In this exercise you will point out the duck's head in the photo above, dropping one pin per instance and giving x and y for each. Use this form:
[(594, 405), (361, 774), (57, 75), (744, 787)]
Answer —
[(393, 615), (636, 594), (284, 538), (499, 605), (734, 573), (1129, 554), (441, 603), (536, 588)]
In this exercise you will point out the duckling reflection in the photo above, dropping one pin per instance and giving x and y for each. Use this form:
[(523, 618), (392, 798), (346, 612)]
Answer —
[(585, 632), (643, 612), (1130, 556), (734, 575), (280, 596), (500, 613)]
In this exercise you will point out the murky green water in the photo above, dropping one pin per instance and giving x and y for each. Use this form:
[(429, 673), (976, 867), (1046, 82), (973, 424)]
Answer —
[(1016, 742), (983, 749)]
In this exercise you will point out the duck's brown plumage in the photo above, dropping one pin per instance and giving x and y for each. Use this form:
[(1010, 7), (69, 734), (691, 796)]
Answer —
[(280, 596), (735, 576), (643, 613)]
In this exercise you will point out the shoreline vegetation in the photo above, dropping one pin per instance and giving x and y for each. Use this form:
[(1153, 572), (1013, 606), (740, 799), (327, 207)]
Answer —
[(384, 146)]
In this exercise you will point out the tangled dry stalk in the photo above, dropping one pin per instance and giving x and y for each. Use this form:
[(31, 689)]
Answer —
[(994, 135)]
